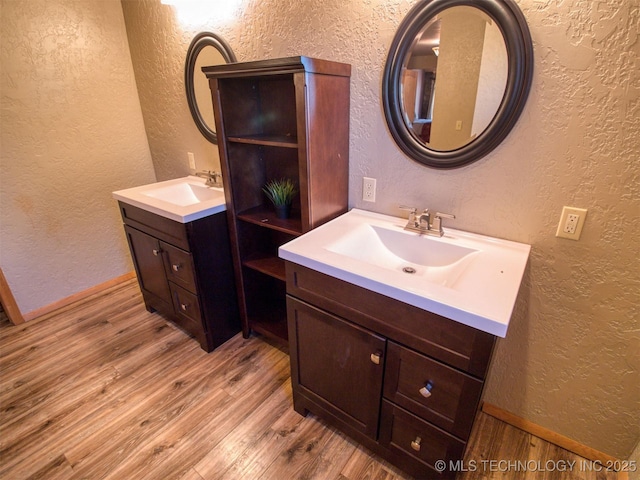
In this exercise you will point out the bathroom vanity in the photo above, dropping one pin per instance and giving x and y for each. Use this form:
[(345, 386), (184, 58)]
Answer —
[(403, 382), (177, 234), (397, 361)]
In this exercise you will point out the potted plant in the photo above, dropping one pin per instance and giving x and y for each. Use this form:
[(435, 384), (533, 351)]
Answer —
[(281, 193)]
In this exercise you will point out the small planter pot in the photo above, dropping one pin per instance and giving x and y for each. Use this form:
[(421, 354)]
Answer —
[(283, 211)]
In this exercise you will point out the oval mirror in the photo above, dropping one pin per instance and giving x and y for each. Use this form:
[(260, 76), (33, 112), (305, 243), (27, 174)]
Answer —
[(456, 79), (205, 49)]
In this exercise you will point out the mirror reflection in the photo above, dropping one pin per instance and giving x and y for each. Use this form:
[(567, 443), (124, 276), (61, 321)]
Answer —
[(454, 78)]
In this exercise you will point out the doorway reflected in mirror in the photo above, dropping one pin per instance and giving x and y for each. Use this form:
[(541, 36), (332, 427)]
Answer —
[(454, 78)]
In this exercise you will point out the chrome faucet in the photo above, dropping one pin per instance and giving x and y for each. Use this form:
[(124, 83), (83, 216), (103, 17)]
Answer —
[(413, 221), (424, 220), (423, 223), (214, 179)]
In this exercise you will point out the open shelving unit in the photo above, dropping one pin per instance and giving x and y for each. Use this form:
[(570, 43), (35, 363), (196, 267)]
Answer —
[(278, 118)]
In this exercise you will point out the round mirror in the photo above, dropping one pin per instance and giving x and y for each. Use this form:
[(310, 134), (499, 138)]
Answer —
[(205, 49), (456, 79)]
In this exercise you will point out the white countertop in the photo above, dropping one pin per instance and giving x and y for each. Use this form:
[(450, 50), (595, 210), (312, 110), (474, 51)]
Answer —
[(182, 199), (479, 289)]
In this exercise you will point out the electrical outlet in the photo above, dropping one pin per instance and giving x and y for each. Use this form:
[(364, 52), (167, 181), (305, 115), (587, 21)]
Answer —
[(368, 189), (459, 125), (571, 222), (192, 161)]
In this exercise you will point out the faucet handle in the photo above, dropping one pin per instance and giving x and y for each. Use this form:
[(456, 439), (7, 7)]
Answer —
[(413, 210), (413, 213), (437, 222)]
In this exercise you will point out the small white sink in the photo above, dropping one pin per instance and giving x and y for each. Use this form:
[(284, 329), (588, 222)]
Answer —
[(185, 193), (428, 257), (469, 278), (183, 199)]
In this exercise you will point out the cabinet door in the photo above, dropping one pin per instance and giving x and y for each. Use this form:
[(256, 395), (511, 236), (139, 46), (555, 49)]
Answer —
[(147, 258), (336, 365)]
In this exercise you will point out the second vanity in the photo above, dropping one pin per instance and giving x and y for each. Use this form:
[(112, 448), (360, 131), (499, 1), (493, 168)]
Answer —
[(397, 360), (178, 237)]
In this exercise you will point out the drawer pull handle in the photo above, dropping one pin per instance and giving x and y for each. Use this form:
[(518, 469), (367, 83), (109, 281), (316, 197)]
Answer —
[(176, 267), (184, 306), (156, 251), (426, 390), (375, 357), (416, 444)]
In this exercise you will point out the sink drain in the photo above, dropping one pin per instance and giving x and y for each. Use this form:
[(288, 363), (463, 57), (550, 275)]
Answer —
[(409, 270)]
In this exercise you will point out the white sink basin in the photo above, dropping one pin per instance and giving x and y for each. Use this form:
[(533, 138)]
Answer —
[(184, 193), (469, 278), (183, 199), (427, 257)]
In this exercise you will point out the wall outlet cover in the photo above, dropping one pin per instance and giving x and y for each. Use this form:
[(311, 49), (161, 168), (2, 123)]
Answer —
[(368, 189), (571, 222)]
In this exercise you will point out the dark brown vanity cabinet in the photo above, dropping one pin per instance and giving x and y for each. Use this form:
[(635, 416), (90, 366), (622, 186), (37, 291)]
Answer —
[(185, 272), (278, 118), (403, 382)]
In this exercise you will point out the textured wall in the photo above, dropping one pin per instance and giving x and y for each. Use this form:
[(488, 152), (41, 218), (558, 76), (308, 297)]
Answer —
[(71, 133), (570, 360), (159, 45)]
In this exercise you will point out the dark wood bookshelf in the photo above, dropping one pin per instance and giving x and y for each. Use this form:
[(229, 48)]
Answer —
[(278, 118), (266, 217), (268, 140), (273, 324), (272, 266)]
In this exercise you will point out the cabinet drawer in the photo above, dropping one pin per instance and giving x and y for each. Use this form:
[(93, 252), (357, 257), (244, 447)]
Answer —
[(160, 227), (187, 309), (179, 267), (432, 390), (416, 444)]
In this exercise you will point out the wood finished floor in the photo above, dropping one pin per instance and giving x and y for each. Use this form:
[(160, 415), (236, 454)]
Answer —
[(102, 389)]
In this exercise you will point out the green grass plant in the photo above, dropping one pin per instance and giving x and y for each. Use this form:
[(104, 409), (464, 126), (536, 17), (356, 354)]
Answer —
[(280, 192)]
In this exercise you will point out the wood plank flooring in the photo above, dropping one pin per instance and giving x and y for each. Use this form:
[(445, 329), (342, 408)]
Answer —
[(102, 389)]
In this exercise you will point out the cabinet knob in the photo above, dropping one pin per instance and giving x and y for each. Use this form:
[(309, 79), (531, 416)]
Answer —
[(156, 251), (375, 357), (416, 444), (426, 390), (176, 267), (184, 307)]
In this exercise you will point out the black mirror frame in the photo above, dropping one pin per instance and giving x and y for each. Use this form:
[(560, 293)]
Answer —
[(519, 46), (200, 41)]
